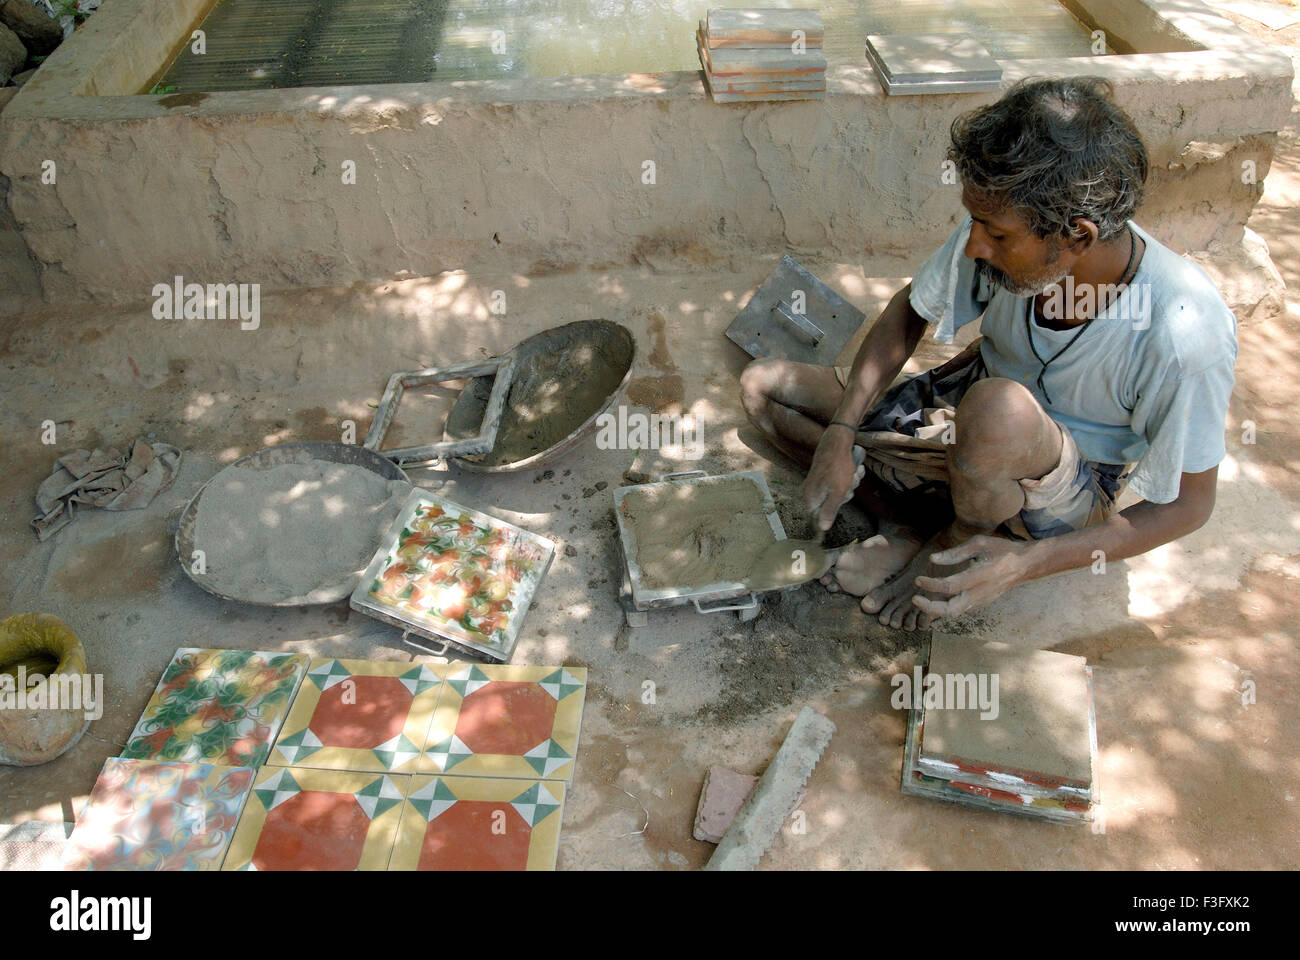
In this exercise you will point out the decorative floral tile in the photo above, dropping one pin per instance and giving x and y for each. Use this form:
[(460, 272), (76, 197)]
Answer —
[(221, 706), (478, 823), (506, 721), (360, 715), (150, 815), (450, 571), (305, 819)]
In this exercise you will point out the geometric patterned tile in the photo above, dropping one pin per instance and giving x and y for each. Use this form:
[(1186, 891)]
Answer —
[(500, 720), (151, 815), (217, 706), (360, 715), (479, 823), (300, 818)]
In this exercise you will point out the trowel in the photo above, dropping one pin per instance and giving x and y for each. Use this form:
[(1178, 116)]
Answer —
[(788, 563)]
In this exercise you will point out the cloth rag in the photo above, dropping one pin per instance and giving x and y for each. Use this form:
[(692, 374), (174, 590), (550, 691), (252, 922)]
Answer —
[(106, 479)]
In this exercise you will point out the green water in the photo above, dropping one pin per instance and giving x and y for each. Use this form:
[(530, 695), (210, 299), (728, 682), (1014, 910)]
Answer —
[(257, 44)]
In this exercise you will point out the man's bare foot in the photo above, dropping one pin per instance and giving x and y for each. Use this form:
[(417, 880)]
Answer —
[(865, 566), (892, 600)]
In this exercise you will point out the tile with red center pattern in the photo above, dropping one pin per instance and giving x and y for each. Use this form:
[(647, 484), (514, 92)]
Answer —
[(360, 715), (299, 818), (479, 823), (500, 720)]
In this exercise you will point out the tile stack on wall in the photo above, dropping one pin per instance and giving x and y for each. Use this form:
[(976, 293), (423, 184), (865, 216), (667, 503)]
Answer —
[(763, 55)]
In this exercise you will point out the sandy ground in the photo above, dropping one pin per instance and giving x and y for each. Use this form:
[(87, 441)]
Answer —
[(1191, 776)]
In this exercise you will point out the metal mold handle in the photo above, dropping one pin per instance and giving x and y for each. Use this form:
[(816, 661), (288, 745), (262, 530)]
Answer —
[(804, 326), (684, 473), (406, 639), (727, 605)]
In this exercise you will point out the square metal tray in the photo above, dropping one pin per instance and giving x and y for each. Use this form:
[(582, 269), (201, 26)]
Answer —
[(474, 544), (645, 598), (769, 325)]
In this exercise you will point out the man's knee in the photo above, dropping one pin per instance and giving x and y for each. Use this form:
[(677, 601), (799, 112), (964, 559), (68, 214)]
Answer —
[(757, 381), (1001, 429)]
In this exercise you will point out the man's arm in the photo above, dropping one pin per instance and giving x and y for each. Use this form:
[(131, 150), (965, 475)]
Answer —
[(885, 349), (1002, 564)]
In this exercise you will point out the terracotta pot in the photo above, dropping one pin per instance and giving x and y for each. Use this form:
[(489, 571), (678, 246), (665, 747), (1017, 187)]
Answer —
[(39, 644)]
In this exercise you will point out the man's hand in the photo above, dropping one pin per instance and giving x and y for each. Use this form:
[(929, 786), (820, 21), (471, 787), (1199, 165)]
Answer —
[(834, 475), (997, 565)]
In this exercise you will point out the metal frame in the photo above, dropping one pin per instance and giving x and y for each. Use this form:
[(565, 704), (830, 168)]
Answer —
[(503, 367)]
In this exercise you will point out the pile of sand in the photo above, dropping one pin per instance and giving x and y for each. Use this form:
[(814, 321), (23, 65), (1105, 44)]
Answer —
[(296, 533)]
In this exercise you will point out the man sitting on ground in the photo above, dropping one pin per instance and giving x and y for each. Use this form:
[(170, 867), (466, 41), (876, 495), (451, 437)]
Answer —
[(1105, 361)]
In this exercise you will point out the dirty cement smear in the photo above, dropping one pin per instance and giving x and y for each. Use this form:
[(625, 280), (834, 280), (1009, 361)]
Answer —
[(259, 45), (691, 535), (563, 377)]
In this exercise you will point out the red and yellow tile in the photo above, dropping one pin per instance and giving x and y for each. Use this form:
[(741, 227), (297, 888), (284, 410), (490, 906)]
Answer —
[(506, 721), (360, 715), (300, 818), (478, 823)]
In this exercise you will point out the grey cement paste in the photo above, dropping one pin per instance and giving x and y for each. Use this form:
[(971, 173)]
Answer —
[(692, 535), (1043, 707), (563, 377), (296, 533)]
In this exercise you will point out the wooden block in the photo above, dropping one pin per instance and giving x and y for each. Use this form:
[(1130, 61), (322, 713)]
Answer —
[(762, 28)]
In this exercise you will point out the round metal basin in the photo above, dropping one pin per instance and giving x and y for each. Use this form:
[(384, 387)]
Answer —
[(264, 460), (565, 378)]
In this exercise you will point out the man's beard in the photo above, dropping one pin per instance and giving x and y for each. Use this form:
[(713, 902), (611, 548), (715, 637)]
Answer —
[(1027, 288)]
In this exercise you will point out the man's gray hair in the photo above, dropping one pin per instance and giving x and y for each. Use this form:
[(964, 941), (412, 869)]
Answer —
[(1054, 151)]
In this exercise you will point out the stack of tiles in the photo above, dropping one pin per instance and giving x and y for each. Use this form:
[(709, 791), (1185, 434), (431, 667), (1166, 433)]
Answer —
[(763, 55), (1005, 730), (932, 63)]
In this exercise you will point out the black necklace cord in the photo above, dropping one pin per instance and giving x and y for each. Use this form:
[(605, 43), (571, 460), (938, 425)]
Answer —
[(1029, 326)]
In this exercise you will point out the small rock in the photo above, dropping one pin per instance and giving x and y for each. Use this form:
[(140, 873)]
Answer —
[(38, 31), (601, 485), (569, 551), (567, 472), (635, 476), (588, 492), (565, 496), (12, 54), (19, 79)]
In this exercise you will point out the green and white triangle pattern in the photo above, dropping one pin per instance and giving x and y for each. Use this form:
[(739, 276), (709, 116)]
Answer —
[(468, 680), (278, 788), (327, 674), (547, 757), (418, 680), (560, 684), (396, 752), (299, 746), (449, 752), (535, 804), (432, 800), (378, 797)]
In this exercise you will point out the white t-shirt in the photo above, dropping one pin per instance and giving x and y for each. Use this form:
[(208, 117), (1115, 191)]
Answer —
[(1147, 382)]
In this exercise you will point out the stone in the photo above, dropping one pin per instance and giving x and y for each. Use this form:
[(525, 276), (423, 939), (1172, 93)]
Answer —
[(38, 31), (19, 79), (12, 54), (721, 798)]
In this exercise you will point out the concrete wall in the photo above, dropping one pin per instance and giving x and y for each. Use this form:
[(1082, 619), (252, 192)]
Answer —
[(247, 187)]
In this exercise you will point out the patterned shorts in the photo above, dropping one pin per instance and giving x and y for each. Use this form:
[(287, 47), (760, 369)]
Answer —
[(905, 439)]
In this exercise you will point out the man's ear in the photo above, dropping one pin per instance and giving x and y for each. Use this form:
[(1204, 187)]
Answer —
[(1085, 234)]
